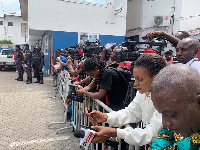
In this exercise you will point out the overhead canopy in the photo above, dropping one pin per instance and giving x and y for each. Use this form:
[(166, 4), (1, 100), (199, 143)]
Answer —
[(24, 9)]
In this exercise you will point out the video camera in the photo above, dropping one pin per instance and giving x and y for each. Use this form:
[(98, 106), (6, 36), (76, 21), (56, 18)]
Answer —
[(72, 93), (75, 52), (92, 50), (87, 134), (89, 49), (134, 52)]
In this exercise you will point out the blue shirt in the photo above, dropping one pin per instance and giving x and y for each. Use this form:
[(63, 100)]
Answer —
[(194, 63), (64, 60)]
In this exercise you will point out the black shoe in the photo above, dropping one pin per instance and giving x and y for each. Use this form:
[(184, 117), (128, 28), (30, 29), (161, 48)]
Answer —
[(17, 78), (20, 79), (41, 82), (37, 81), (29, 82)]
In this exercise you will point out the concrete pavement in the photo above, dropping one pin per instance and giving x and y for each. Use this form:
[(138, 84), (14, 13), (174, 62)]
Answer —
[(25, 113)]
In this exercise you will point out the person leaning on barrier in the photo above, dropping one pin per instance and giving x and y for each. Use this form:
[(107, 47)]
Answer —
[(176, 95), (141, 108), (109, 81), (186, 52), (18, 61), (62, 60), (104, 55)]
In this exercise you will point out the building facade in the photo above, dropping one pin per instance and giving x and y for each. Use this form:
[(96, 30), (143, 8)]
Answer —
[(13, 28), (63, 23), (171, 16)]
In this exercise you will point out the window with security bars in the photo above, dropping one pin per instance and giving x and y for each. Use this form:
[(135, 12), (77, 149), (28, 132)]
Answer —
[(10, 23), (1, 22)]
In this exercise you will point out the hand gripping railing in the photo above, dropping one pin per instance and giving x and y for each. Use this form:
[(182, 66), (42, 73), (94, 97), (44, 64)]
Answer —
[(78, 116)]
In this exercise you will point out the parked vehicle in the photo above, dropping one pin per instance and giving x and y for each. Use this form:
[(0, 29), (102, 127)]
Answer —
[(7, 58)]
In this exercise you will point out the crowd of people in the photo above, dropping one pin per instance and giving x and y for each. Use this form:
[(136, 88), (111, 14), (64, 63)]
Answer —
[(167, 101), (26, 60)]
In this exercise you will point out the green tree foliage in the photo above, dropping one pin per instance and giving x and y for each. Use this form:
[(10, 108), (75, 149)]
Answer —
[(6, 42)]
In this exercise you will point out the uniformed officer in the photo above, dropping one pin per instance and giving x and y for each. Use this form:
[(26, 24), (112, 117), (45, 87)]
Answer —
[(34, 70), (18, 62), (28, 61), (38, 62)]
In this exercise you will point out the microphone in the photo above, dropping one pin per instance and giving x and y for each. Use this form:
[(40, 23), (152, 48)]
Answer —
[(87, 134)]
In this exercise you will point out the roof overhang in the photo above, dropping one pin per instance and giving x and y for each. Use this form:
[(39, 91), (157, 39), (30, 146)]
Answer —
[(24, 9)]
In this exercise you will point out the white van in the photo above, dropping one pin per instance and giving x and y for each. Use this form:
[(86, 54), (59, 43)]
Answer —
[(7, 58)]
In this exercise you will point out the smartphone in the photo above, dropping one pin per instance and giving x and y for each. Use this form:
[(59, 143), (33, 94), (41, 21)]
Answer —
[(93, 120)]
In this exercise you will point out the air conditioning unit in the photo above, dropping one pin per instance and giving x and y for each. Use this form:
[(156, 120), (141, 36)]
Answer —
[(161, 20)]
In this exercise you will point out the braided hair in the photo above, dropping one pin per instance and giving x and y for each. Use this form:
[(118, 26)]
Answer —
[(93, 62), (152, 62)]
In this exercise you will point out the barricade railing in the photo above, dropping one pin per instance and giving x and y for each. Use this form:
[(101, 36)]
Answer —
[(78, 116), (62, 88)]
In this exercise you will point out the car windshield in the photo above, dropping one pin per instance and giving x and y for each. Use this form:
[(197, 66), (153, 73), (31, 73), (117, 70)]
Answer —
[(8, 52)]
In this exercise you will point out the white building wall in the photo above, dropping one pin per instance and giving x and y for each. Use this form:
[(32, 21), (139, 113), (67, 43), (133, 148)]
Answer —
[(2, 30), (140, 14), (147, 9), (74, 17), (190, 8), (12, 33), (134, 17)]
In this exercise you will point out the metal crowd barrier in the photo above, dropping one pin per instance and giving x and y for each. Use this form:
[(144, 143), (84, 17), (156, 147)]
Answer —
[(78, 116), (62, 88)]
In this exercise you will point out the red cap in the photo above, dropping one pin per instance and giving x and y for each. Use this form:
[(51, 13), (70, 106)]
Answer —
[(150, 51)]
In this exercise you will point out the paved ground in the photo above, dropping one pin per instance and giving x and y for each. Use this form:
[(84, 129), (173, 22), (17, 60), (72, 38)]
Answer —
[(25, 113)]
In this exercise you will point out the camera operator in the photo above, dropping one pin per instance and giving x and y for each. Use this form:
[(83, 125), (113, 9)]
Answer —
[(174, 39), (110, 83), (113, 56), (186, 47), (140, 109), (105, 55)]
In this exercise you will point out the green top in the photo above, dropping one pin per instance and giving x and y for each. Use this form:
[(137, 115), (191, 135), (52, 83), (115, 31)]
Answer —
[(168, 140)]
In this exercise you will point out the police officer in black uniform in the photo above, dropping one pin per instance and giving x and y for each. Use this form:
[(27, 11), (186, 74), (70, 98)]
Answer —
[(34, 70), (38, 62), (18, 62), (28, 61)]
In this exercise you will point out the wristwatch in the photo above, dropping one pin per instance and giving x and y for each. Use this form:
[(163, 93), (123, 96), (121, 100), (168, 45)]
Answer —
[(84, 93)]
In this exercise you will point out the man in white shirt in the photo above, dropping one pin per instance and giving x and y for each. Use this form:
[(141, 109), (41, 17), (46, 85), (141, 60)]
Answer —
[(186, 52)]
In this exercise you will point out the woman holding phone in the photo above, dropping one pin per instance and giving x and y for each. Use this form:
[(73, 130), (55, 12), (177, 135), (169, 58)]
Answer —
[(141, 108)]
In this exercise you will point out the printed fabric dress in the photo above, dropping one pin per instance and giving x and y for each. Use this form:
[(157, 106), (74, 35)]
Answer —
[(168, 140)]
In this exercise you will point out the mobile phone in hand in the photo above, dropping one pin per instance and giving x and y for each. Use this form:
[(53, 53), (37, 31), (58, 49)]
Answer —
[(92, 120)]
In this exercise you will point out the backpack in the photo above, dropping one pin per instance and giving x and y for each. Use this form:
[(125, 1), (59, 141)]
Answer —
[(124, 73)]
